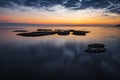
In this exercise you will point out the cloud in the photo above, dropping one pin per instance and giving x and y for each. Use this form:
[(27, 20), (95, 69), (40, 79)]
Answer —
[(110, 5)]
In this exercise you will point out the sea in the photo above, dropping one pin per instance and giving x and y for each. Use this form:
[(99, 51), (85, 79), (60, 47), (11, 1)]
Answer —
[(59, 57)]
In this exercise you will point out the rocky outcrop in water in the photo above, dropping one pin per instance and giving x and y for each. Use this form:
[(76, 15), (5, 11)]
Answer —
[(96, 48), (80, 32), (45, 32), (35, 34), (117, 25)]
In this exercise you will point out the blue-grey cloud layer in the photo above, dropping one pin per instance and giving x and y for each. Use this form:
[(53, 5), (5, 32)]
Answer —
[(110, 5)]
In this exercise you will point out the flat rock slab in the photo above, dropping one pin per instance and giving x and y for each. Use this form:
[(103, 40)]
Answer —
[(35, 34), (96, 45), (80, 32), (63, 32), (96, 48), (45, 32)]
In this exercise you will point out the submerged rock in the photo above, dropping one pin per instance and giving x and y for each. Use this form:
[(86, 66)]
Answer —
[(45, 32), (80, 32), (34, 34), (96, 48), (63, 32)]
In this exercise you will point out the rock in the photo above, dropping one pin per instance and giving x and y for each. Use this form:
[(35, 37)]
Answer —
[(96, 48), (71, 30), (80, 32), (118, 25), (44, 32), (97, 45), (63, 32), (34, 34)]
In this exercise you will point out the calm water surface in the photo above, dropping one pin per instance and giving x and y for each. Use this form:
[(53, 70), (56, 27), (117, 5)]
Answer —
[(59, 57)]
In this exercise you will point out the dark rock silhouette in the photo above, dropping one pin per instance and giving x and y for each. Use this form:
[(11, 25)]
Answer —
[(45, 32), (96, 48), (34, 34), (63, 32), (71, 30), (80, 32), (118, 25), (74, 32), (96, 45)]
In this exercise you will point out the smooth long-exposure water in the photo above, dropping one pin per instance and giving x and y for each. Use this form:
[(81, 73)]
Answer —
[(59, 57)]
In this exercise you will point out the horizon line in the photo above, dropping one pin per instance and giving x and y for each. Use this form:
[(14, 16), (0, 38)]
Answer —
[(29, 24)]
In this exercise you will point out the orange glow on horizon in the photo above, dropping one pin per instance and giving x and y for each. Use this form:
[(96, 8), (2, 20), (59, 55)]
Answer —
[(59, 21), (89, 21), (61, 17)]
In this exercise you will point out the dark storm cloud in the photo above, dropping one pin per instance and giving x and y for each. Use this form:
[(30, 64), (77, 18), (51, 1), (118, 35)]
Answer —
[(110, 5)]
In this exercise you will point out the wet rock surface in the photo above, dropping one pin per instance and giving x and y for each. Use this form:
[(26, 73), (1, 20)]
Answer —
[(118, 25), (35, 34), (63, 32), (80, 32), (97, 45), (45, 32), (96, 48)]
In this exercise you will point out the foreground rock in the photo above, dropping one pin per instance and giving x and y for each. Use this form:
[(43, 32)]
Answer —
[(34, 34), (97, 45), (96, 48)]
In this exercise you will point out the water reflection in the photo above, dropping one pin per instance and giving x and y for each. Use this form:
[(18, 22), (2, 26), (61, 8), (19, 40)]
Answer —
[(49, 61), (59, 57)]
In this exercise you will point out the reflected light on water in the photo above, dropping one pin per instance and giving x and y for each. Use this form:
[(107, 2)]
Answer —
[(59, 57)]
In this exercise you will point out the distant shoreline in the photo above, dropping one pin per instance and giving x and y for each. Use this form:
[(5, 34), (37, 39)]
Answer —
[(26, 24), (118, 25)]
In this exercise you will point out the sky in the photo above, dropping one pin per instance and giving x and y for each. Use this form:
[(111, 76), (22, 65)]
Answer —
[(91, 12)]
